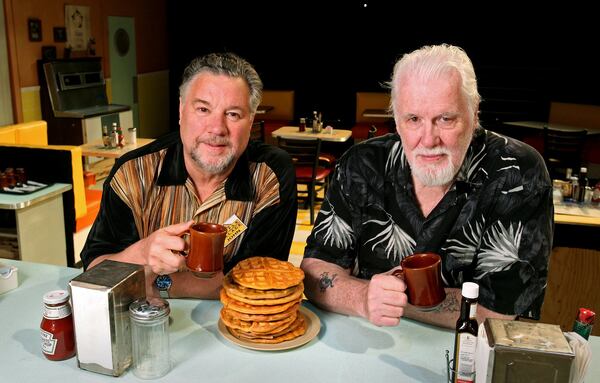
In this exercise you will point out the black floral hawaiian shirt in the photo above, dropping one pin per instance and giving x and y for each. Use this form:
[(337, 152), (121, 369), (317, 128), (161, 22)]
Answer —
[(493, 227)]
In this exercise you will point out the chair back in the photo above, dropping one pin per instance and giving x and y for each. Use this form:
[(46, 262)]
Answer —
[(305, 156), (372, 132), (562, 150), (257, 132)]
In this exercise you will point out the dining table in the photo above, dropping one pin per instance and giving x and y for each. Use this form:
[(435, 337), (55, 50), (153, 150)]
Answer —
[(294, 133), (577, 214), (377, 113), (97, 149), (540, 125), (344, 349)]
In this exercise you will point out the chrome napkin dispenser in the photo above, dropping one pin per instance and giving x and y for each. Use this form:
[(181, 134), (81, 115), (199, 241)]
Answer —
[(100, 299), (514, 351)]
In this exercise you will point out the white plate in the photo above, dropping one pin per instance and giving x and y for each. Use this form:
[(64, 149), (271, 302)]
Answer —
[(313, 326)]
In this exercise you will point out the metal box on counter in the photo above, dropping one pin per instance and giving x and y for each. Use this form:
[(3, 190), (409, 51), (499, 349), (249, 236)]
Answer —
[(515, 351), (100, 300)]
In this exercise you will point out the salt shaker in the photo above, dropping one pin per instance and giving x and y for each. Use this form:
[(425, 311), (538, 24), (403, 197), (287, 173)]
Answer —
[(150, 337), (132, 139)]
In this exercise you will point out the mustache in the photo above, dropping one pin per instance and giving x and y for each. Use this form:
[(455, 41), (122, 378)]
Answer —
[(431, 152), (213, 140)]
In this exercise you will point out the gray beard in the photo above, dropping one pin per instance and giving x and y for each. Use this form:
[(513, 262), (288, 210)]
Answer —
[(216, 167)]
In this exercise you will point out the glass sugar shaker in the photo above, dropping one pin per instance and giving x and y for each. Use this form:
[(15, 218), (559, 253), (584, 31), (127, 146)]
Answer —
[(132, 139), (150, 337)]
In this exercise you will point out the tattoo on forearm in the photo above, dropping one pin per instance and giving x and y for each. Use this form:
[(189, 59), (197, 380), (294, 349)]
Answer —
[(325, 281), (450, 304)]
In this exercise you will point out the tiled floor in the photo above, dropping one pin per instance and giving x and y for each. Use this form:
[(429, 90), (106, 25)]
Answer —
[(303, 229)]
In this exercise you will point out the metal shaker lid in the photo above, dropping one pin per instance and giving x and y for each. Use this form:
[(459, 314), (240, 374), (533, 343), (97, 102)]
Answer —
[(149, 309)]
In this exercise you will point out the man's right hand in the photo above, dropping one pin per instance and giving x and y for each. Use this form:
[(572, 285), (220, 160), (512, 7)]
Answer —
[(385, 299), (160, 249)]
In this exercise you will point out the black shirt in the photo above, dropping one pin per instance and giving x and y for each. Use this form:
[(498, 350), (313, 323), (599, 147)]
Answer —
[(493, 227)]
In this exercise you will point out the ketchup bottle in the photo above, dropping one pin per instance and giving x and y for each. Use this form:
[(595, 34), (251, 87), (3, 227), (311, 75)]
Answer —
[(58, 337)]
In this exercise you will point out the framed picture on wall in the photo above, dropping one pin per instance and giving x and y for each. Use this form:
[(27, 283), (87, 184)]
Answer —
[(49, 52), (34, 26), (60, 34)]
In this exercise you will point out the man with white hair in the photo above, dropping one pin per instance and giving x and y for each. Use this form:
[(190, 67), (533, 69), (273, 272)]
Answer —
[(442, 184)]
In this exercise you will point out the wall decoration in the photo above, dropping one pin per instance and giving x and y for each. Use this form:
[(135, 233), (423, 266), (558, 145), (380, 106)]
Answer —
[(77, 20), (34, 26), (60, 34), (49, 52)]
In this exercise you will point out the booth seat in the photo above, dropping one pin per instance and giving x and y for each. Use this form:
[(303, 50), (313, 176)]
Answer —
[(26, 145), (585, 116), (281, 114), (371, 100), (26, 133)]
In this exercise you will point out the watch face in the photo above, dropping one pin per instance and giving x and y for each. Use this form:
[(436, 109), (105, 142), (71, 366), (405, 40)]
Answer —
[(163, 282)]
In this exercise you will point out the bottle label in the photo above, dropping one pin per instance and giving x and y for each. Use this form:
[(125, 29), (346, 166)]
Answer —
[(473, 311), (53, 313), (465, 363), (582, 329), (48, 343)]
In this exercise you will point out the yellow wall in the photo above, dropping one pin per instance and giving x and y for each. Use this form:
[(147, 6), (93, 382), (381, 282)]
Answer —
[(108, 83), (153, 101), (30, 99)]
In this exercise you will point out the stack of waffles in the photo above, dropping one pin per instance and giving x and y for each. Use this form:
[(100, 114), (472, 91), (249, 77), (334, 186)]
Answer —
[(261, 297)]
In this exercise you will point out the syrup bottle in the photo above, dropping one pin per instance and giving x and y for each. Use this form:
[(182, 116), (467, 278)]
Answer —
[(465, 340)]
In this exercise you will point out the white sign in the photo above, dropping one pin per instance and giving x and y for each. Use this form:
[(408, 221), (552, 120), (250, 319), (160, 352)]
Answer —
[(77, 21)]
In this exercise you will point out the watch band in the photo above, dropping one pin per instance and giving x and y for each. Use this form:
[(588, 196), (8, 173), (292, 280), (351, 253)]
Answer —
[(164, 294)]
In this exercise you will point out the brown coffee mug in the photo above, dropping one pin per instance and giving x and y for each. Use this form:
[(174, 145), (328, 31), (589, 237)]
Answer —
[(422, 274), (205, 252)]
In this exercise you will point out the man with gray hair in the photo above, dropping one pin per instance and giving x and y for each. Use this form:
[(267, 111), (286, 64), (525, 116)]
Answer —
[(443, 185), (208, 171)]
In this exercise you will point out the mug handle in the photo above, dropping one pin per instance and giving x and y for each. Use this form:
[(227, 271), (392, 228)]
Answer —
[(186, 238), (399, 273)]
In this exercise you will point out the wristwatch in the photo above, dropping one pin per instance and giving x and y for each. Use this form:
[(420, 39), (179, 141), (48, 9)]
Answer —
[(163, 284)]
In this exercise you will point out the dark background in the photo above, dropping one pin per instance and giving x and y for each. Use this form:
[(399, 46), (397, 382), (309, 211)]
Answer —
[(523, 59)]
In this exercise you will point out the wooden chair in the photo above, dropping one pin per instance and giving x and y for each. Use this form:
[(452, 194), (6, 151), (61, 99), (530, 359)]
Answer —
[(563, 150), (309, 172), (258, 131), (372, 132)]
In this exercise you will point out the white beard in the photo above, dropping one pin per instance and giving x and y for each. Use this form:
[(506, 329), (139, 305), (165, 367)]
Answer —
[(433, 174)]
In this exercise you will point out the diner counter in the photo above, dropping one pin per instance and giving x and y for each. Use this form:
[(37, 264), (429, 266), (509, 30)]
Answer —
[(347, 349)]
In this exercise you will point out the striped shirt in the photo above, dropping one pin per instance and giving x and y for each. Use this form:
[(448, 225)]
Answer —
[(149, 188)]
